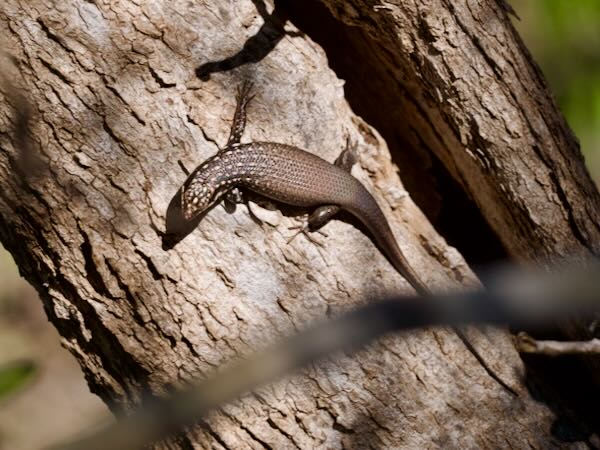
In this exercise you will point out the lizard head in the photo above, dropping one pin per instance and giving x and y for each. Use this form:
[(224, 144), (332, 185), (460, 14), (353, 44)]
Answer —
[(196, 197)]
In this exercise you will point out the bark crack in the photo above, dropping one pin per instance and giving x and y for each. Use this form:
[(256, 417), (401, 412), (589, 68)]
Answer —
[(56, 72), (130, 109), (275, 427), (91, 271), (162, 83), (206, 427)]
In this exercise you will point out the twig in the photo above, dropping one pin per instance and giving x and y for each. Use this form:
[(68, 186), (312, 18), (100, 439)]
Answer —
[(527, 344), (516, 299)]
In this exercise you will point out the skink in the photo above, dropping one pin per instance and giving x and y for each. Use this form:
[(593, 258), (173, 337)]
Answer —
[(290, 175)]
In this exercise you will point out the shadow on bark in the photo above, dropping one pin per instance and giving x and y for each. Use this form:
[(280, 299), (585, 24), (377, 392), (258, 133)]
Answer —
[(376, 95), (257, 46)]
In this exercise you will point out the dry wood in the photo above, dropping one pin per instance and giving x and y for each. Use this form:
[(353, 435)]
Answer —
[(527, 344), (452, 82), (466, 90)]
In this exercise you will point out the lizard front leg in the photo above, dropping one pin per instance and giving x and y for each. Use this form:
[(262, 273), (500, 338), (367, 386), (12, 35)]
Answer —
[(235, 197)]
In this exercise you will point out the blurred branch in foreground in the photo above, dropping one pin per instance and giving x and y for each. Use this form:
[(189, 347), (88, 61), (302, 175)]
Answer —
[(518, 299), (28, 161)]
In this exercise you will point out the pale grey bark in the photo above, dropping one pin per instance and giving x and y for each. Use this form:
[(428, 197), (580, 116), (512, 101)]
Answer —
[(466, 90), (462, 89), (119, 113)]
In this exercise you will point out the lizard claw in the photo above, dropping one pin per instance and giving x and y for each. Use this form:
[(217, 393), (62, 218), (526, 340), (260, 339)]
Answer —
[(304, 229)]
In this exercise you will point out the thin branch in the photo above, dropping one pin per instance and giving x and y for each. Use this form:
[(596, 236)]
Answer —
[(520, 300), (527, 344)]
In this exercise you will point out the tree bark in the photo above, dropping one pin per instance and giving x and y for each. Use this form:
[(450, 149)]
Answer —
[(119, 115), (452, 83), (467, 91)]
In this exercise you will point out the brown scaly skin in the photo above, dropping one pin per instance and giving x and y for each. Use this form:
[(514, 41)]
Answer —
[(293, 176)]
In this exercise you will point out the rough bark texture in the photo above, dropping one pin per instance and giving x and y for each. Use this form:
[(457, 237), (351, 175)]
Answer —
[(120, 115), (466, 90), (452, 83)]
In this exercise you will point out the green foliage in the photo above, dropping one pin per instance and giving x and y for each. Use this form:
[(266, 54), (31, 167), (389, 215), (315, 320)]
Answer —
[(564, 37), (14, 376)]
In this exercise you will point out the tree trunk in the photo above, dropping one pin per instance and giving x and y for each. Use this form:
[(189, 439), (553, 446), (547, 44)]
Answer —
[(120, 115), (452, 83)]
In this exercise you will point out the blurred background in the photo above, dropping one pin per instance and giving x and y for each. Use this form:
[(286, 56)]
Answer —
[(43, 396), (564, 38)]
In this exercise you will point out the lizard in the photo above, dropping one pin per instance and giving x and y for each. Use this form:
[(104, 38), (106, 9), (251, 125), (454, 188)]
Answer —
[(292, 176)]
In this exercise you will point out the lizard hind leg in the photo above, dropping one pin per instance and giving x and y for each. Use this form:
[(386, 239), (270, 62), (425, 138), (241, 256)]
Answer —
[(323, 214), (305, 228)]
